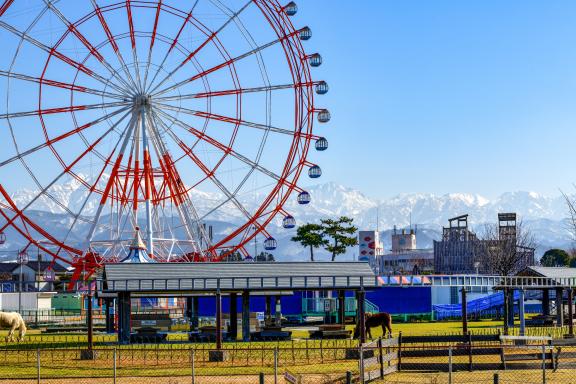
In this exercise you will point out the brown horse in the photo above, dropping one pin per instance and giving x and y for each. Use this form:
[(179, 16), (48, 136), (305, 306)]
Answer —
[(381, 319)]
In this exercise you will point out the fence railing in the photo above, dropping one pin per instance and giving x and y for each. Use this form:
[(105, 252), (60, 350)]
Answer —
[(384, 358)]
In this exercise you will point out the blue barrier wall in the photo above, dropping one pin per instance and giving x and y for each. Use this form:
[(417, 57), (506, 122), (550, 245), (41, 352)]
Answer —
[(398, 300), (389, 299), (291, 305)]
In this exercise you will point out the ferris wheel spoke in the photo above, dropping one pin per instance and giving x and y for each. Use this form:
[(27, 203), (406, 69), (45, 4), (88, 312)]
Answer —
[(124, 139), (5, 5), (73, 108), (152, 41), (52, 51), (172, 46), (93, 51), (201, 46), (215, 143), (59, 84), (133, 43), (43, 191), (226, 119), (113, 42), (224, 64), (184, 206), (229, 92), (62, 136)]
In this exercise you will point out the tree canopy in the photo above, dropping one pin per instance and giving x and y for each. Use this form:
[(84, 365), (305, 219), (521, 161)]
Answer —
[(555, 258), (310, 235), (342, 234)]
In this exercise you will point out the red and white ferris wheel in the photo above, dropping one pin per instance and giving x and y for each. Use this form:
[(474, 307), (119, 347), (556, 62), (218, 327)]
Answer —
[(158, 114)]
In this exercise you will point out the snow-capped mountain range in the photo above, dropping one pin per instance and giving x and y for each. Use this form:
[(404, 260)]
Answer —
[(545, 216)]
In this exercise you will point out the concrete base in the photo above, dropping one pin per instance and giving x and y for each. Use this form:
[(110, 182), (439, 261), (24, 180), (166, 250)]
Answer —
[(88, 354), (354, 353), (216, 356)]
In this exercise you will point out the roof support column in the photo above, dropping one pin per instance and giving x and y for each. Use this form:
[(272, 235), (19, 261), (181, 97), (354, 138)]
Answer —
[(233, 327), (510, 319), (570, 312), (464, 311), (521, 312), (361, 296), (218, 320), (342, 306), (90, 320), (245, 316), (268, 310), (109, 317), (546, 302), (278, 312), (192, 311), (124, 317), (559, 307)]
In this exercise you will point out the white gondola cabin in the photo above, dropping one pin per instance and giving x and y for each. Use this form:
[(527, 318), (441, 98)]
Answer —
[(324, 116), (321, 144), (303, 197), (315, 60), (288, 222), (270, 244), (291, 8), (314, 172), (305, 33), (322, 88), (23, 257)]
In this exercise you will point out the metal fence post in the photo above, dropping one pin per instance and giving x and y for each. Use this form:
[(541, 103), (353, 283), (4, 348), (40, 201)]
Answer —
[(449, 365), (192, 353), (275, 365), (496, 378), (361, 363), (261, 377), (114, 365), (543, 364), (348, 377), (38, 364)]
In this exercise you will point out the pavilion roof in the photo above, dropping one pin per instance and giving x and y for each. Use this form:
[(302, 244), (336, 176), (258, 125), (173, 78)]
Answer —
[(235, 276)]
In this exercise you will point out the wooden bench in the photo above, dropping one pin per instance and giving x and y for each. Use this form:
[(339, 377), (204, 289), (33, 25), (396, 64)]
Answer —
[(147, 335), (330, 331)]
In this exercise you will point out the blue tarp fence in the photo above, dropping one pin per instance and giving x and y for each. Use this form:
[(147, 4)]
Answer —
[(490, 303)]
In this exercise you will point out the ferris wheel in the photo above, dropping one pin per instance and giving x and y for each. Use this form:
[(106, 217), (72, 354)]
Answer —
[(163, 115)]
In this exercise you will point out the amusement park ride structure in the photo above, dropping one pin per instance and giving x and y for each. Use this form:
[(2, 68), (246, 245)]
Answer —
[(142, 104)]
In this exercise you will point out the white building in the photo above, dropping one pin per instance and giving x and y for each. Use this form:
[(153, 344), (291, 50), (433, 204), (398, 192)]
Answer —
[(370, 248)]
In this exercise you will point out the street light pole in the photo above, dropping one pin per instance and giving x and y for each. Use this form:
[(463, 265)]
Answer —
[(22, 259), (20, 290)]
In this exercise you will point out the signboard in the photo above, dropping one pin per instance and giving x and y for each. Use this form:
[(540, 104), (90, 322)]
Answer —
[(49, 275), (260, 316), (148, 322), (290, 378)]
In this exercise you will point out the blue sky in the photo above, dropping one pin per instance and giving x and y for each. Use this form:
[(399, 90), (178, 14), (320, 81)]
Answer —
[(447, 96)]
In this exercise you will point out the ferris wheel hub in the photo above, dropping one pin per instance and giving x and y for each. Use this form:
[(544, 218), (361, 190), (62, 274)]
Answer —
[(142, 100)]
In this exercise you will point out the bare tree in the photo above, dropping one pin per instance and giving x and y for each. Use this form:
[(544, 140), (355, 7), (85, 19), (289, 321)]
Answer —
[(503, 252), (571, 204)]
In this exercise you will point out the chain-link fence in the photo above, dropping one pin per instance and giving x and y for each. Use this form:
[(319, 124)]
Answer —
[(317, 363), (381, 361)]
